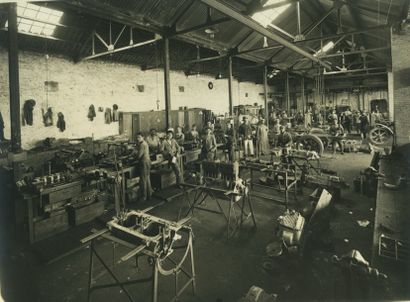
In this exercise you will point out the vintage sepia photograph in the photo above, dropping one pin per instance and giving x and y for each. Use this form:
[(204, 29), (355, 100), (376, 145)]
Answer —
[(204, 150)]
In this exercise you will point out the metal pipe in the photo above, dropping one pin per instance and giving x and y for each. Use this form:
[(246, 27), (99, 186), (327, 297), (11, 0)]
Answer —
[(247, 21), (14, 82)]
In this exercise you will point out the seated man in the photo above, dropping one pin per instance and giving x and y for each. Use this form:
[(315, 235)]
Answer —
[(153, 141), (209, 146), (171, 150), (284, 138)]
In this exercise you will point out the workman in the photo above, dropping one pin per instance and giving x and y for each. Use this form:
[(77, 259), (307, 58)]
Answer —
[(193, 135), (337, 132), (209, 145), (144, 166), (284, 138), (230, 140), (153, 141), (171, 151), (179, 136), (245, 132)]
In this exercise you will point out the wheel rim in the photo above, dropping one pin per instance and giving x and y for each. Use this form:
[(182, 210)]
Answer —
[(379, 135)]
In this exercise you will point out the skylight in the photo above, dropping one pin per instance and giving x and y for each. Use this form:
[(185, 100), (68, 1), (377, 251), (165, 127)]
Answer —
[(325, 48), (267, 16), (36, 19)]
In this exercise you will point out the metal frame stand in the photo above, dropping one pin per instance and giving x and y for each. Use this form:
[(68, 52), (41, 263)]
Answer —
[(201, 194), (157, 269)]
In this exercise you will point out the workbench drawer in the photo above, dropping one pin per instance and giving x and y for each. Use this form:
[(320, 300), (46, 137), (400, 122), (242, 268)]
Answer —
[(65, 193), (48, 227), (80, 215)]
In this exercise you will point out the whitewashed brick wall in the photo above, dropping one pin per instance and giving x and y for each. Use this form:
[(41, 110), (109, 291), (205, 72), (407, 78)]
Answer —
[(103, 84)]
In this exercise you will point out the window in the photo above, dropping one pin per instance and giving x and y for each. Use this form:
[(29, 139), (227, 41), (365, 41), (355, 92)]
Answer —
[(267, 16), (36, 19), (325, 48)]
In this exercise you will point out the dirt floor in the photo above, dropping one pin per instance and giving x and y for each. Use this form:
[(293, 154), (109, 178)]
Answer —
[(225, 269)]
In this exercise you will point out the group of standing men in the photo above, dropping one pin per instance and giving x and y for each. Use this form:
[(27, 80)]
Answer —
[(171, 148)]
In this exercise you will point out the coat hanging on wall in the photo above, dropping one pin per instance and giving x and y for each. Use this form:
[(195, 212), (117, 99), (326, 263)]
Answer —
[(107, 116), (115, 113), (1, 128), (60, 122), (28, 112), (91, 113), (48, 117)]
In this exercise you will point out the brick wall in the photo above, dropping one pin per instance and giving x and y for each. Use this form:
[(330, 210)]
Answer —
[(401, 86), (104, 84)]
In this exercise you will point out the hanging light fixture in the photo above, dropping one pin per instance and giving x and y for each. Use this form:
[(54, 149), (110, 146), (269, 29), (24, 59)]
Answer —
[(211, 31), (265, 42)]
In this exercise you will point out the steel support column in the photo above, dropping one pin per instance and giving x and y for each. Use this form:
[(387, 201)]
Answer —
[(287, 93), (302, 89), (230, 78), (14, 84), (265, 93), (167, 84)]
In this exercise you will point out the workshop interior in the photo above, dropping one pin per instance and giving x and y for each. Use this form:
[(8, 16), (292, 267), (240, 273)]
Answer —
[(204, 150)]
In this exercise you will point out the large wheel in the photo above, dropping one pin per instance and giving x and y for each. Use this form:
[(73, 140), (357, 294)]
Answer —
[(380, 135), (311, 142)]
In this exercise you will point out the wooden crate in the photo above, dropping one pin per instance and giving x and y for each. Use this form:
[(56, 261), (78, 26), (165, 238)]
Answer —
[(48, 227), (79, 215), (163, 178)]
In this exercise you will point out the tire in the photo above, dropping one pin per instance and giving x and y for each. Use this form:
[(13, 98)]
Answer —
[(311, 142)]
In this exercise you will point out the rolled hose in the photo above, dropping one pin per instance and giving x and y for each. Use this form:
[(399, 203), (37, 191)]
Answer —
[(165, 272)]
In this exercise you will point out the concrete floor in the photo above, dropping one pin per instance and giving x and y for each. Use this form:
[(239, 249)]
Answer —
[(225, 269)]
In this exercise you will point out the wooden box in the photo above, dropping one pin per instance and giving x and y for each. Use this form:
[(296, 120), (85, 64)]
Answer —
[(48, 227), (79, 215), (163, 178)]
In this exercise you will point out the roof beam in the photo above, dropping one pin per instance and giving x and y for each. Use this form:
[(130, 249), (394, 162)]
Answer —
[(199, 27), (276, 5), (245, 20), (108, 52), (354, 70), (356, 52)]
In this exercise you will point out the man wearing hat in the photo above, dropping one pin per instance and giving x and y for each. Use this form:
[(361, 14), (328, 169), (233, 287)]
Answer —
[(171, 150), (245, 132)]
